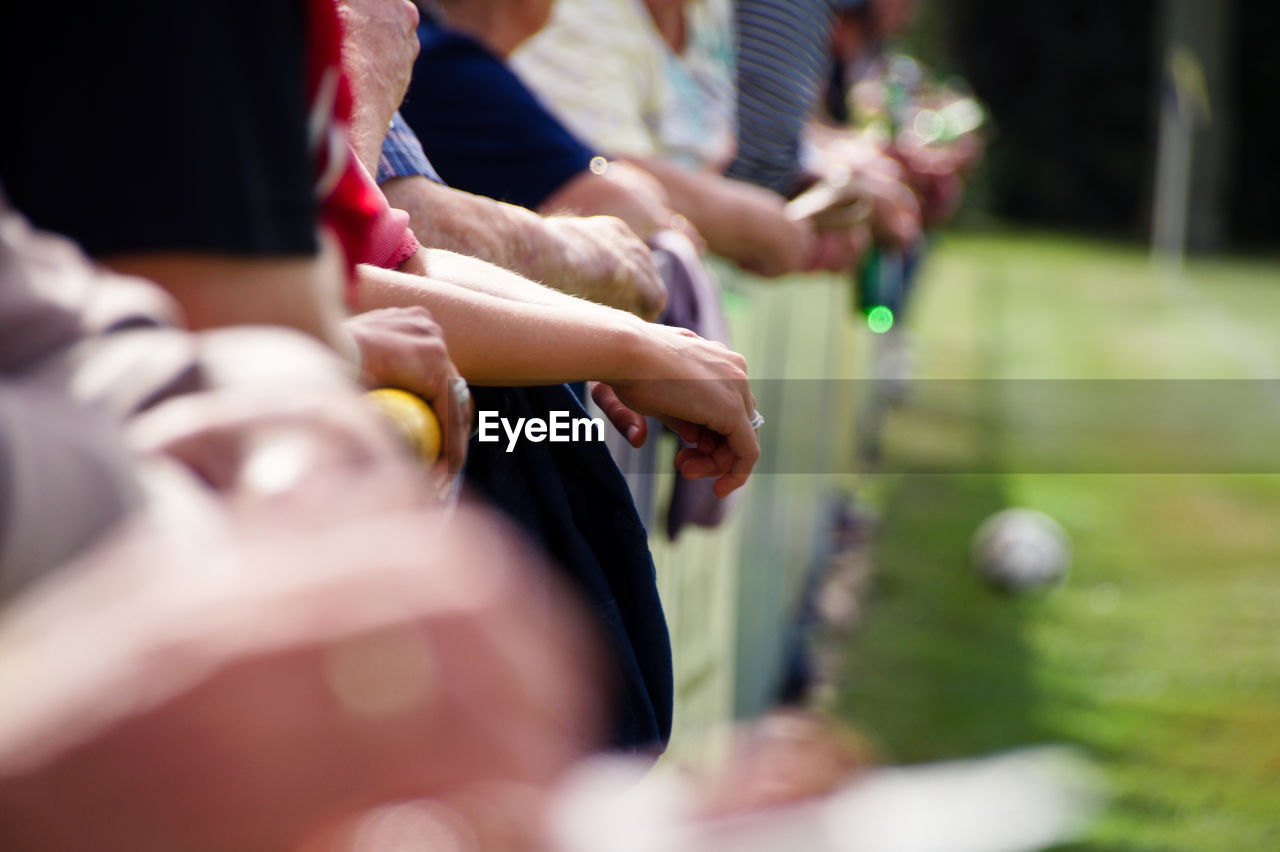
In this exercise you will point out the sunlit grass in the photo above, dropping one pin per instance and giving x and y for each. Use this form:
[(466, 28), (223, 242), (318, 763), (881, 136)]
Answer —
[(1160, 654)]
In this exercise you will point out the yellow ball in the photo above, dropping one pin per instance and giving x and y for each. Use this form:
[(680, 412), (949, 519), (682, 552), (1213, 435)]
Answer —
[(414, 418)]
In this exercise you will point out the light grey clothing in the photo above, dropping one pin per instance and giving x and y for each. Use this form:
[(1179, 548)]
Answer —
[(80, 349)]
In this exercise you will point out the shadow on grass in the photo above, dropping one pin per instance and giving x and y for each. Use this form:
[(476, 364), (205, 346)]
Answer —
[(939, 668)]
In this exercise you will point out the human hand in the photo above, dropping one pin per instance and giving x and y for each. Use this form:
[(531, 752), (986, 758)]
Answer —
[(934, 173), (895, 217), (405, 348), (604, 261), (838, 250), (256, 685), (753, 230), (380, 44), (698, 389), (863, 170)]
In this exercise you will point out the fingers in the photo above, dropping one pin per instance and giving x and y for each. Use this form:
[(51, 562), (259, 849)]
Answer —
[(405, 348), (706, 399), (650, 290), (342, 677), (629, 424), (634, 268), (731, 467), (636, 285), (695, 464), (729, 458), (601, 259), (838, 250), (683, 226), (745, 447), (689, 432), (897, 212)]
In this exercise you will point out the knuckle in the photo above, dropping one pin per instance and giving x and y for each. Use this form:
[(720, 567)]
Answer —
[(416, 312), (433, 344)]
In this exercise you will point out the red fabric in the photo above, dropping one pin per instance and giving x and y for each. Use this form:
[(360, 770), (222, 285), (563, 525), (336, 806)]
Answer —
[(351, 204), (390, 241)]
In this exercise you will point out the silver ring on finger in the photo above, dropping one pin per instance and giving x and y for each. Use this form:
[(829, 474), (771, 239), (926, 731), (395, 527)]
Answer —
[(757, 420), (461, 393)]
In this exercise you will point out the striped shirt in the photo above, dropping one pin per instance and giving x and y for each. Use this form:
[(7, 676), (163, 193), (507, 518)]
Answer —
[(783, 58)]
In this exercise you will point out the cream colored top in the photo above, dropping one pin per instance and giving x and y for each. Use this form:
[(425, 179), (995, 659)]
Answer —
[(604, 69)]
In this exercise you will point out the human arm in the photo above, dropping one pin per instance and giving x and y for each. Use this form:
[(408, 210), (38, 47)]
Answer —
[(859, 163), (738, 220), (697, 387), (619, 189), (379, 46), (597, 258), (404, 348), (245, 679)]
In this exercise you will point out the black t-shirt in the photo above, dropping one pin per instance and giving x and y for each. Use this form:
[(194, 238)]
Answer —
[(484, 131), (160, 125)]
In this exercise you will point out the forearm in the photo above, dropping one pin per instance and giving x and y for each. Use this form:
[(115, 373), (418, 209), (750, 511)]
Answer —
[(482, 277), (698, 196), (368, 129), (504, 334), (502, 234), (590, 194), (379, 45), (595, 258), (737, 220)]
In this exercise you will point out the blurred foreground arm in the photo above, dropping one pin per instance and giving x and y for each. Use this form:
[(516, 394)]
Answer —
[(257, 682)]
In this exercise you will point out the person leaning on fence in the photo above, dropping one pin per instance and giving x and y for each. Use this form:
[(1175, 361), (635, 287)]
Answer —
[(783, 59), (571, 498), (597, 258), (486, 133), (194, 621), (572, 501), (214, 270), (653, 85)]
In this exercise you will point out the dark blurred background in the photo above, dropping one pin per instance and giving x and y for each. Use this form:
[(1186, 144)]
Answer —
[(1075, 93)]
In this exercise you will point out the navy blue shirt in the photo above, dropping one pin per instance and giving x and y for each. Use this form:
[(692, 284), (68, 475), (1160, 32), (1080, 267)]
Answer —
[(484, 131), (571, 499)]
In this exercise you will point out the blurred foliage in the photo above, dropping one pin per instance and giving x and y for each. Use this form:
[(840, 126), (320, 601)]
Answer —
[(1254, 213), (1072, 89), (1158, 653)]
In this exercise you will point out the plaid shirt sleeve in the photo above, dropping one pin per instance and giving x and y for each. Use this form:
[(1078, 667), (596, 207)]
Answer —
[(402, 154)]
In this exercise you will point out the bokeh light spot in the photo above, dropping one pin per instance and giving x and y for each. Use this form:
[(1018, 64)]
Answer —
[(880, 319)]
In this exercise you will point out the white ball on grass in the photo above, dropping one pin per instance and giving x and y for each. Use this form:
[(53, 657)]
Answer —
[(1021, 549)]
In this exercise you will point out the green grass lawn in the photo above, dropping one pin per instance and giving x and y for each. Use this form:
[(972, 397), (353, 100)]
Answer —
[(1160, 654)]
